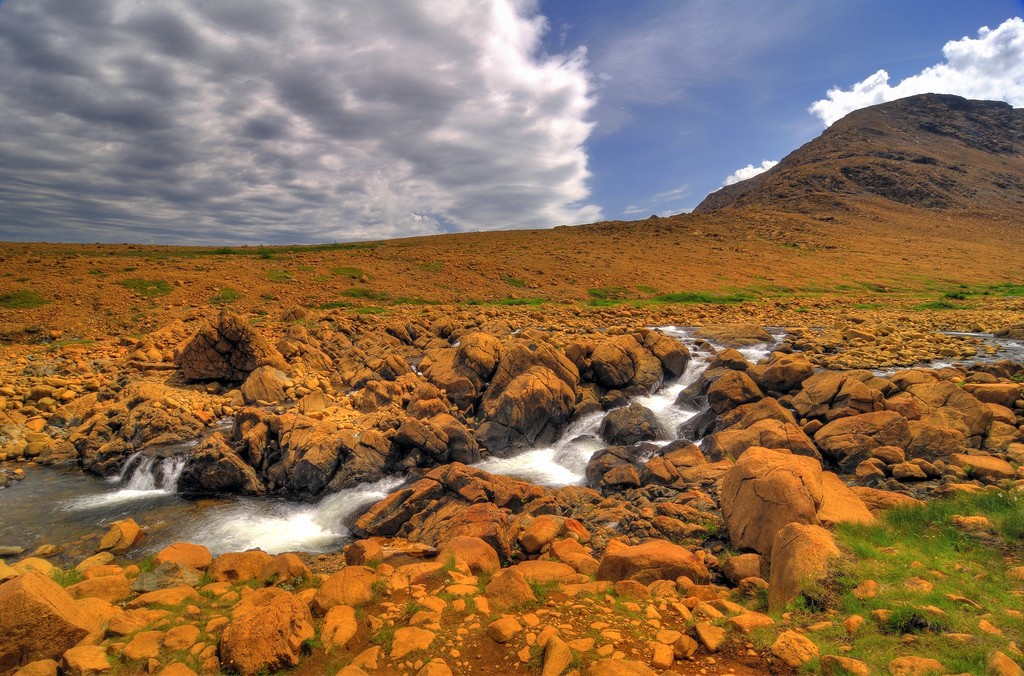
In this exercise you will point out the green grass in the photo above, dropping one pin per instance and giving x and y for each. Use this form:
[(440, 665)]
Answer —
[(351, 273), (939, 305), (704, 297), (609, 293), (281, 276), (22, 300), (367, 294), (225, 295), (433, 266), (147, 288), (66, 578), (515, 281), (915, 541)]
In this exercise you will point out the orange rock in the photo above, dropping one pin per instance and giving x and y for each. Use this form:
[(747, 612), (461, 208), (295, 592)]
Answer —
[(85, 660), (479, 556), (122, 536), (171, 596), (547, 571), (350, 586), (652, 560), (266, 633), (508, 589), (915, 666), (282, 568), (801, 555), (614, 667), (38, 620), (539, 534), (110, 588), (340, 625), (238, 566), (186, 554)]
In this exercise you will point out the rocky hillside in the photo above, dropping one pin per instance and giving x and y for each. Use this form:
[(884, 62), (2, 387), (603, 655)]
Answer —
[(931, 151)]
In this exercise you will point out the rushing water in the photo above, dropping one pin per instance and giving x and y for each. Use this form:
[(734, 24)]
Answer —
[(70, 508)]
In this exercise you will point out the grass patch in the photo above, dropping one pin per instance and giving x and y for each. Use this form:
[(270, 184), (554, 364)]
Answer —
[(66, 578), (22, 300), (225, 295), (351, 273), (433, 266), (281, 276), (968, 578), (939, 305), (703, 297), (366, 294), (515, 281), (147, 288), (608, 293)]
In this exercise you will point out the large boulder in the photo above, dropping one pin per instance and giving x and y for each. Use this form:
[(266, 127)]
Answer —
[(849, 441), (764, 491), (530, 398), (215, 468), (732, 389), (800, 556), (442, 437), (629, 425), (463, 371), (310, 451), (673, 355), (650, 561), (266, 632), (621, 361), (768, 433), (265, 384), (829, 395), (227, 351), (38, 620), (783, 372)]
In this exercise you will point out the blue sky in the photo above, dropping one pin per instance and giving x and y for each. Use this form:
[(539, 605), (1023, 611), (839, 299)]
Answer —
[(295, 121)]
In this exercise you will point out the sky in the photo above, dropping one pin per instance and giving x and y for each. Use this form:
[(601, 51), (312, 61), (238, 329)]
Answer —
[(304, 121)]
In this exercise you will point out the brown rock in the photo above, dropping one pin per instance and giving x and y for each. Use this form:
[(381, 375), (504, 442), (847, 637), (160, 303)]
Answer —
[(999, 664), (410, 639), (732, 389), (915, 666), (177, 669), (652, 560), (767, 433), (764, 491), (227, 352), (350, 586), (181, 637), (266, 632), (839, 504), (800, 556), (479, 556), (984, 467), (794, 649), (508, 589), (748, 622), (539, 534), (38, 668), (38, 620), (435, 667), (171, 596), (144, 645), (185, 554), (835, 665), (238, 566), (340, 626), (710, 636), (848, 441), (502, 630), (613, 667), (363, 552), (110, 588), (734, 335), (282, 568), (85, 660), (122, 536), (743, 566), (546, 571)]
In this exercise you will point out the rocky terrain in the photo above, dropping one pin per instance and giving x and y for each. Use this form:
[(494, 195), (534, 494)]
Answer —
[(847, 504)]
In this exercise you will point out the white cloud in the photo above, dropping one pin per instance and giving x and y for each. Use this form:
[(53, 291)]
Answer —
[(749, 171), (292, 120), (990, 67)]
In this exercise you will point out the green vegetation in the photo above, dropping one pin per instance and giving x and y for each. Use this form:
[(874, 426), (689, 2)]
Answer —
[(225, 295), (939, 305), (352, 273), (515, 281), (967, 575), (704, 297), (368, 294), (433, 266), (281, 276), (66, 578), (22, 300), (147, 288)]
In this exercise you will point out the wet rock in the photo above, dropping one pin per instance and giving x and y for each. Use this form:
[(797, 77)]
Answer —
[(532, 395), (673, 355), (629, 425), (122, 536), (732, 389), (734, 335), (215, 468), (848, 441)]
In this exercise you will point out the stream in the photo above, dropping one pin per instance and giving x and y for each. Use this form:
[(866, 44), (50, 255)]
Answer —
[(67, 507)]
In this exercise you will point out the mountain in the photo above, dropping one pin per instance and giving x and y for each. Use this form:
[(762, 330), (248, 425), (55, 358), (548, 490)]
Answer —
[(931, 151)]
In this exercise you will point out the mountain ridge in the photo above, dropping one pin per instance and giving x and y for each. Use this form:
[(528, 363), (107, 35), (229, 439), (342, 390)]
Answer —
[(930, 151)]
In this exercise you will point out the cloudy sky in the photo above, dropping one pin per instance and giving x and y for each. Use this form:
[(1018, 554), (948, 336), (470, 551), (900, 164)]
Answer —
[(273, 121)]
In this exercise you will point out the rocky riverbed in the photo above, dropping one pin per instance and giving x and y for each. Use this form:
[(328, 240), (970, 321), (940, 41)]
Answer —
[(589, 491)]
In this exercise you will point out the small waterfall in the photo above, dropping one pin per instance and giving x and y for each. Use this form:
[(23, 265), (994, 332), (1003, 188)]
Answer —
[(143, 476)]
